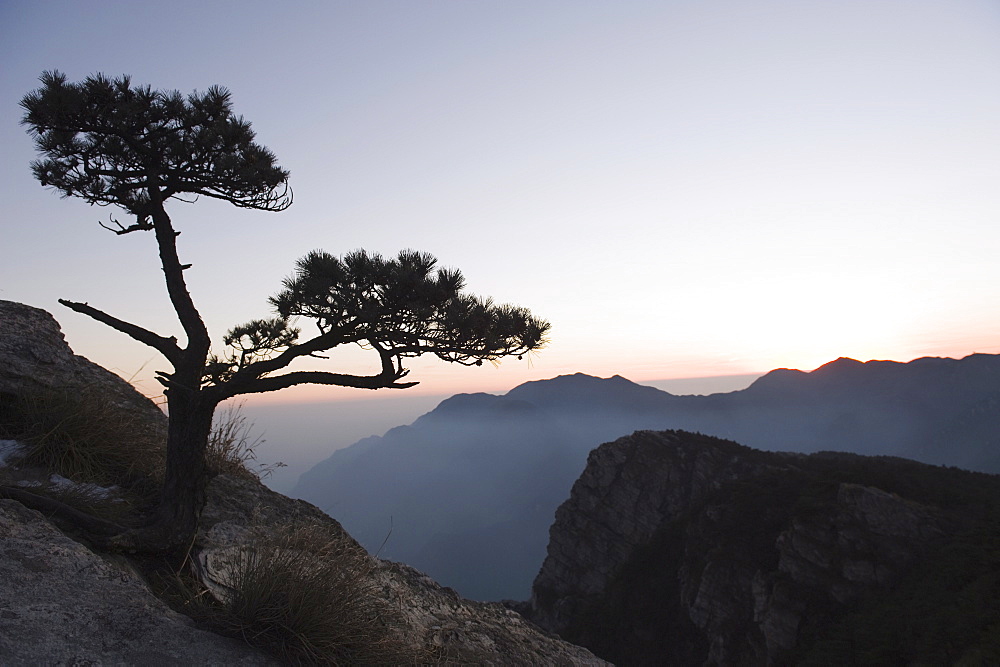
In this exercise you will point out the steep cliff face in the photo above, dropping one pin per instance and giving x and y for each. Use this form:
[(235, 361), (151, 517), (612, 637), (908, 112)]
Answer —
[(626, 493), (676, 548)]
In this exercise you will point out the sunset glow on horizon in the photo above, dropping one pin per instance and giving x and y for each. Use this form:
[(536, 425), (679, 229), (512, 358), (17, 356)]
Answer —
[(682, 189)]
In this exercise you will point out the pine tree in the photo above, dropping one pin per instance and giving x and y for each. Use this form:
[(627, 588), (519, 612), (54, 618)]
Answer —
[(114, 144)]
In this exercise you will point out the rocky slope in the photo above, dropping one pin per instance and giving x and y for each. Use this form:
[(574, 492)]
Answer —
[(64, 603), (433, 620), (471, 487), (678, 548), (34, 357)]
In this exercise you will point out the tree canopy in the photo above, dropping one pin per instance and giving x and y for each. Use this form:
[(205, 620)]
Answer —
[(399, 308), (109, 142)]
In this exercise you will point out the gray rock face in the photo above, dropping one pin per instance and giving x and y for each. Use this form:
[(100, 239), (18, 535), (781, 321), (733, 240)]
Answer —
[(61, 604), (732, 551), (34, 357), (625, 495)]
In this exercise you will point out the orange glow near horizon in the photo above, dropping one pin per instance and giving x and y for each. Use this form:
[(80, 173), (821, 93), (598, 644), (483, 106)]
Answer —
[(441, 380)]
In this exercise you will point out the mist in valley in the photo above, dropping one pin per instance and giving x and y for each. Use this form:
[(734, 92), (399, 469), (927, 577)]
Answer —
[(468, 491), (299, 435)]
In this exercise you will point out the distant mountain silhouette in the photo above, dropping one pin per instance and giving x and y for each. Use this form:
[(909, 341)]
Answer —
[(470, 488)]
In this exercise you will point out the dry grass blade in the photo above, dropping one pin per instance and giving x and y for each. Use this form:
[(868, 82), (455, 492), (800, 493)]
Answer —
[(232, 445)]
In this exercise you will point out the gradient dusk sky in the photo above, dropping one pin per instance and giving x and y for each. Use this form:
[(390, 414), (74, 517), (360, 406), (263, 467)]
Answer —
[(683, 189)]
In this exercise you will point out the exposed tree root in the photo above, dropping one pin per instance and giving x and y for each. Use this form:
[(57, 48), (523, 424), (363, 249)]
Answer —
[(92, 526)]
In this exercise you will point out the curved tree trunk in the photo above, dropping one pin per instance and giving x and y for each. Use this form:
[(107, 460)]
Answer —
[(190, 408)]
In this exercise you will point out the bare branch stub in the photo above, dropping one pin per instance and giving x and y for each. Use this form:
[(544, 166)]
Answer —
[(120, 229)]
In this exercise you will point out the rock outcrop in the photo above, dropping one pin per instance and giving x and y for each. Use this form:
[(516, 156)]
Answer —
[(34, 355), (434, 620), (64, 603), (626, 494), (677, 548), (34, 358), (61, 603)]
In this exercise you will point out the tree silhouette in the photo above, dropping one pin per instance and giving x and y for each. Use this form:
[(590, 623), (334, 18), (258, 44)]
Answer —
[(111, 143)]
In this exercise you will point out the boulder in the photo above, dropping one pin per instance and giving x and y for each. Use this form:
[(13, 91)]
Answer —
[(62, 604), (34, 358)]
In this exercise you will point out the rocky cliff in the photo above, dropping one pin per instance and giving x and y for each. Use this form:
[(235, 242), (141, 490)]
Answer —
[(677, 548), (63, 602)]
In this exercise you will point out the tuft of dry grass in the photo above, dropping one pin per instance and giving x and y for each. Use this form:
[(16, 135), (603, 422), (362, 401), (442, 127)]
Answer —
[(308, 597), (86, 437), (232, 446)]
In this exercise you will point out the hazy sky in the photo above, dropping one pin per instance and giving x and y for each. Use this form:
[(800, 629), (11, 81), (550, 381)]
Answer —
[(682, 188)]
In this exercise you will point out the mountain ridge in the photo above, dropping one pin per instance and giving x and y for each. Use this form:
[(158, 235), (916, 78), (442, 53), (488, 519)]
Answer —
[(482, 460)]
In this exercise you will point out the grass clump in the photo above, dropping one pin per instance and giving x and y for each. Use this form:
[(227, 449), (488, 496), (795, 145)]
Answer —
[(232, 446), (308, 597), (86, 437), (110, 458)]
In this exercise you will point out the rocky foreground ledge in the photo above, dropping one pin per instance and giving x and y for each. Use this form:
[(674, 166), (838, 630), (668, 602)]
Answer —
[(62, 603)]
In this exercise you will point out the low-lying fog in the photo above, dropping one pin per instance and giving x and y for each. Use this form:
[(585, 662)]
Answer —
[(303, 434)]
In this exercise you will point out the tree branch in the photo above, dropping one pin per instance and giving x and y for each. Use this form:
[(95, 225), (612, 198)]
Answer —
[(275, 383), (255, 384), (257, 369), (165, 346)]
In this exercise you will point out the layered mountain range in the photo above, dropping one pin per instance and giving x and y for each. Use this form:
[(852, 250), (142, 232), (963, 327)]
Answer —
[(468, 491)]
